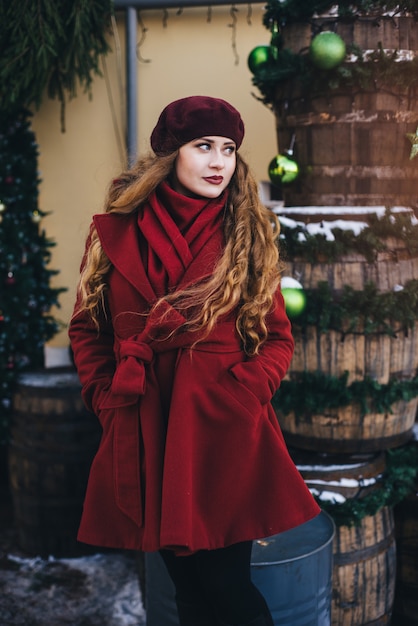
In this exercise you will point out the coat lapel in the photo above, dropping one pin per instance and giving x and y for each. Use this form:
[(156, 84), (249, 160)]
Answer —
[(119, 237)]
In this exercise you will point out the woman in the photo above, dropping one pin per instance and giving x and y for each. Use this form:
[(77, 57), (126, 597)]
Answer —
[(180, 339)]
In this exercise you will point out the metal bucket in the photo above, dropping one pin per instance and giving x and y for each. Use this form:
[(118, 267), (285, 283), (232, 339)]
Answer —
[(293, 571)]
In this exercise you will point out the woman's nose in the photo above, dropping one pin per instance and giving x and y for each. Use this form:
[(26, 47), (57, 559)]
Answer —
[(217, 159)]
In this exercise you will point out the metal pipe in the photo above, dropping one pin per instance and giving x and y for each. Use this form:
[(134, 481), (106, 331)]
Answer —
[(178, 4), (131, 85)]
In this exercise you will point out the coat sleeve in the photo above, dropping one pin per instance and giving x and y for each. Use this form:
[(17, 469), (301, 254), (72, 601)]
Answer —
[(263, 373), (93, 350)]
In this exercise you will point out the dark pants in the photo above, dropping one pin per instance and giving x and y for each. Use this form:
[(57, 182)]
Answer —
[(216, 586)]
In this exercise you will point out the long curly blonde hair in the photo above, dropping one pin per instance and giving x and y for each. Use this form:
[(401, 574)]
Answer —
[(245, 277)]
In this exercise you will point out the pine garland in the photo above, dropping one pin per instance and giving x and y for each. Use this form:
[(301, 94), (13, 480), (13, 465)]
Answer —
[(322, 392), (350, 311), (52, 45), (379, 69), (287, 11), (365, 312), (397, 483), (297, 242)]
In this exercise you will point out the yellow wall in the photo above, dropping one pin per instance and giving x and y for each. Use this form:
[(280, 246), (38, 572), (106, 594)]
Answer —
[(187, 55)]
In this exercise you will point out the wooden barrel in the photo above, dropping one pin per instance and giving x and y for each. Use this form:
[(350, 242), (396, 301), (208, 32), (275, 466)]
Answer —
[(53, 441), (332, 478), (381, 357), (395, 32), (359, 355), (348, 429), (364, 556), (396, 265), (378, 356), (351, 143), (364, 572)]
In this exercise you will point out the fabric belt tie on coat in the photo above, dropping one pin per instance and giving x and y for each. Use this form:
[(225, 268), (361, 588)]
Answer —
[(129, 378), (129, 383)]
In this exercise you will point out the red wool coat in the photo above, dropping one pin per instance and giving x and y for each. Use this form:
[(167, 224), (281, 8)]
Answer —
[(191, 456)]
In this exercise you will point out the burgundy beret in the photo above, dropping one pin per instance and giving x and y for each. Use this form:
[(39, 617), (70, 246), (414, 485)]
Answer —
[(196, 116)]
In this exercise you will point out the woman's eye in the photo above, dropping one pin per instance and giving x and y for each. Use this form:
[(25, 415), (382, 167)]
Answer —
[(206, 147)]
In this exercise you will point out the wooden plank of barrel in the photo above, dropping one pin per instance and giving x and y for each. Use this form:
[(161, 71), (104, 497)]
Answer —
[(334, 478), (364, 571), (346, 429)]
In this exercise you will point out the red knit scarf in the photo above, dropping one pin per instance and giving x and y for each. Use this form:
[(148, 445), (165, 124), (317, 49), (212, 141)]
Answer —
[(173, 229)]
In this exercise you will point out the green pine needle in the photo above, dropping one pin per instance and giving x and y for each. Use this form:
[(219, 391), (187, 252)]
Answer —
[(51, 46)]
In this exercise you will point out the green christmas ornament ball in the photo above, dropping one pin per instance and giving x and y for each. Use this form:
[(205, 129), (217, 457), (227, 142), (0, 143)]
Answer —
[(283, 170), (293, 295), (259, 57), (327, 50)]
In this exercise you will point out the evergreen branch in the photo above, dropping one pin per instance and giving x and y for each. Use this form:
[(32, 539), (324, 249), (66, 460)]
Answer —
[(288, 11), (321, 392), (52, 46), (298, 243), (360, 312), (398, 482), (26, 295), (277, 79)]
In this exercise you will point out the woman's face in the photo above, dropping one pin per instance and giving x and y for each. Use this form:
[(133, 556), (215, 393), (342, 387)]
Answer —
[(204, 167)]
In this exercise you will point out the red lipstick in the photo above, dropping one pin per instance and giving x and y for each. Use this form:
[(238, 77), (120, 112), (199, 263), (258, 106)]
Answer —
[(214, 180)]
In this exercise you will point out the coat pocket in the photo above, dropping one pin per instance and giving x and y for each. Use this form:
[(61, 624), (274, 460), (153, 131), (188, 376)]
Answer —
[(252, 375), (242, 397), (114, 400)]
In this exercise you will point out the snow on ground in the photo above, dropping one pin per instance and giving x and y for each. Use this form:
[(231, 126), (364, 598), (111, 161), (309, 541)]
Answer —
[(98, 590)]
